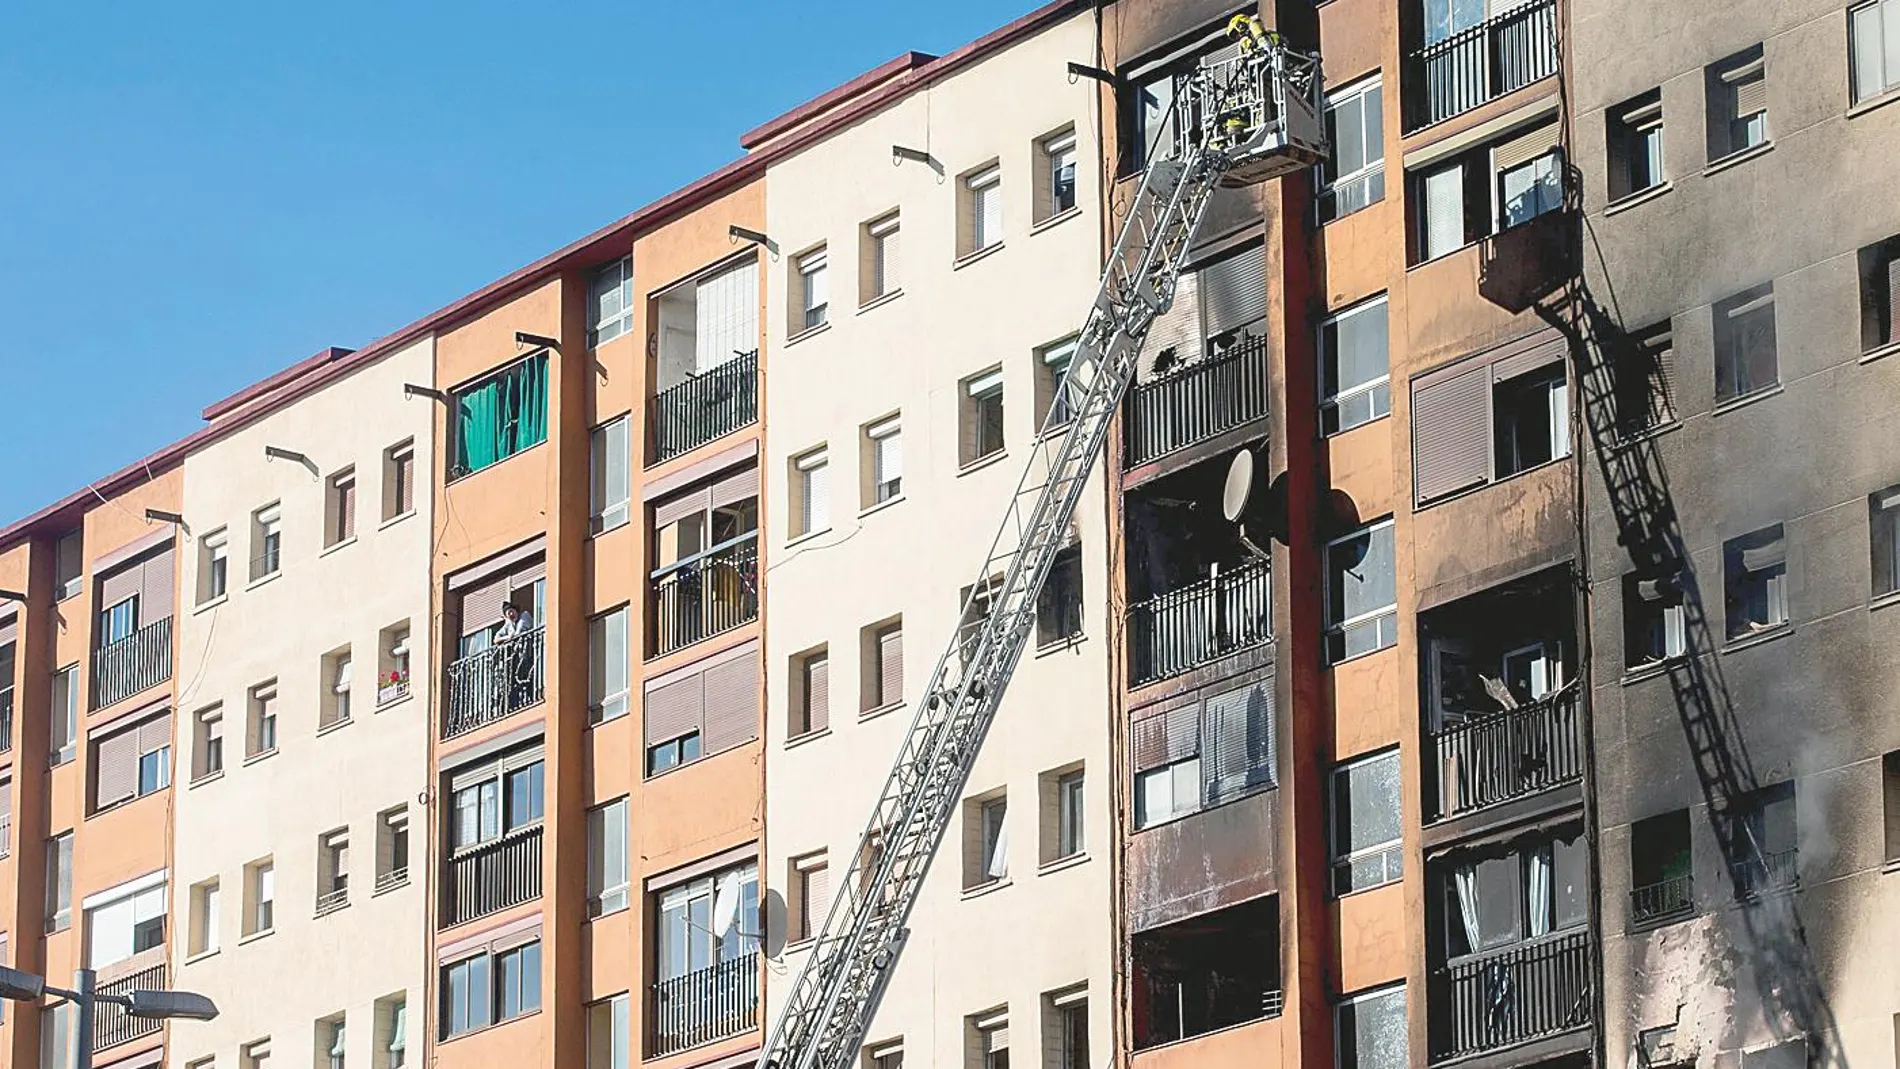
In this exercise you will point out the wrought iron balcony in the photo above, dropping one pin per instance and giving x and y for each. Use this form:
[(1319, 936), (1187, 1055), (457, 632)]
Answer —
[(1664, 901), (704, 1005), (707, 406), (331, 901), (1229, 611), (1523, 992), (497, 682), (1509, 755), (1481, 63), (6, 720), (391, 880), (111, 1025), (1197, 403), (713, 592), (139, 661), (1767, 873), (491, 876)]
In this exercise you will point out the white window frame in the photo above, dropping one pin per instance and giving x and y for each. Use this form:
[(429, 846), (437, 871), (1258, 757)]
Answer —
[(609, 887), (610, 492), (1054, 153), (1071, 791), (1339, 627), (613, 1050), (214, 581), (1370, 995), (814, 291), (1549, 163), (812, 480), (883, 271), (978, 390), (146, 894), (1331, 402), (610, 278), (978, 187), (1181, 803), (1052, 365), (1336, 99), (607, 691), (1334, 857), (1888, 79), (885, 435)]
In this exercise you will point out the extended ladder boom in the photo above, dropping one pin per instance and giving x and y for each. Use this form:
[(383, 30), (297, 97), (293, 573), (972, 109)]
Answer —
[(1243, 119)]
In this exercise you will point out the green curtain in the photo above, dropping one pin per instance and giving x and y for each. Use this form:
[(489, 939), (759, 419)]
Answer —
[(532, 420), (502, 416), (477, 443)]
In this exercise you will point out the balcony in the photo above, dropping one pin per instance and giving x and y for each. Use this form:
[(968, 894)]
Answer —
[(1206, 973), (6, 720), (1767, 873), (1523, 992), (705, 407), (139, 661), (492, 876), (111, 1025), (1480, 63), (705, 1005), (1661, 902), (495, 683), (706, 595), (1508, 755), (331, 901), (1198, 403), (1229, 611)]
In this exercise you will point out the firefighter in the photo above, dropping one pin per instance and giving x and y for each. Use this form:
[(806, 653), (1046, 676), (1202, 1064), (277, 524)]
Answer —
[(1248, 30)]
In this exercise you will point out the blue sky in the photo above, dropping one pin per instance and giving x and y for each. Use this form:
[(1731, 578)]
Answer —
[(195, 195)]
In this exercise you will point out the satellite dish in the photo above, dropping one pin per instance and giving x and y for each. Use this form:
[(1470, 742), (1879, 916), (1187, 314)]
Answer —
[(725, 912), (1239, 488)]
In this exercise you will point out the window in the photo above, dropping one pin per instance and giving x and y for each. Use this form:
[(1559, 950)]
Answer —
[(1745, 359), (1661, 868), (1635, 130), (609, 660), (976, 601), (339, 508), (1065, 1027), (202, 938), (702, 710), (1354, 176), (881, 265), (1643, 387), (611, 450), (1059, 603), (262, 736), (518, 981), (985, 841), (1890, 791), (1873, 32), (982, 416), (267, 542), (207, 746), (125, 920), (1366, 826), (1052, 367), (1197, 755), (1062, 815), (63, 738), (1737, 90), (56, 1037), (1443, 221), (494, 985), (811, 895), (59, 882), (1361, 593), (1355, 383), (987, 1039), (1654, 625), (610, 302), (330, 1042), (495, 797), (1880, 278), (981, 210), (6, 834), (1487, 189), (672, 753), (1530, 420), (335, 706), (1489, 417), (608, 1034), (213, 569), (1213, 970), (1055, 175), (811, 292), (1529, 173), (132, 761), (255, 1055), (1492, 899), (399, 480), (69, 564), (260, 897), (811, 481), (811, 703), (708, 323), (884, 461), (1755, 580), (691, 938), (1167, 791), (333, 871), (392, 1031), (886, 1055), (392, 848), (881, 662), (501, 415), (392, 664), (118, 620), (1371, 1029), (607, 858)]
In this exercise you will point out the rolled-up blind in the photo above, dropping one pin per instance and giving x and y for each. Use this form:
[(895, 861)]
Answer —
[(1451, 433), (1166, 737), (1893, 278), (1538, 354), (481, 605), (9, 632), (732, 704), (1526, 146), (674, 709), (155, 587), (675, 509), (890, 650), (528, 574), (736, 487), (1177, 329), (1751, 93), (1239, 749), (116, 768), (155, 734), (1766, 553), (1234, 290), (122, 584), (817, 692)]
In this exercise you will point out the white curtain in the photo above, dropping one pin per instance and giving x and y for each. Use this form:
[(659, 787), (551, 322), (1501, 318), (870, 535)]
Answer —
[(1465, 879), (999, 854), (1538, 891)]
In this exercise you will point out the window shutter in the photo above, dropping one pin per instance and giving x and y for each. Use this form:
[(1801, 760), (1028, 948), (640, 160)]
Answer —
[(527, 575), (1444, 214), (1239, 749), (1451, 432), (992, 197), (155, 734), (9, 630), (1526, 146), (481, 606), (6, 830), (1751, 93), (727, 310), (155, 587), (1893, 270), (817, 693), (674, 709), (732, 704), (673, 510), (1234, 290), (737, 487), (1178, 328), (116, 774), (1166, 737), (996, 1040), (1767, 554), (817, 896), (1542, 351), (405, 483), (122, 584), (890, 652), (346, 509)]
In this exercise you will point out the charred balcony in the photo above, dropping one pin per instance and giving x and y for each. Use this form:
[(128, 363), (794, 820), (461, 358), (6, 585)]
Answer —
[(1208, 972)]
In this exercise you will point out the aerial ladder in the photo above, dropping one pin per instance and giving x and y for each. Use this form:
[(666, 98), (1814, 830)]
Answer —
[(1248, 116)]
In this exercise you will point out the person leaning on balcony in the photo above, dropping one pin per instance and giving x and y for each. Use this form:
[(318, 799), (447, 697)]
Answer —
[(514, 623), (518, 662)]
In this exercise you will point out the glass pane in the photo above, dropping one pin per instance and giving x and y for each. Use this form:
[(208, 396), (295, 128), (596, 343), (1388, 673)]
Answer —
[(1362, 574), (1372, 1032), (1366, 804), (1362, 346)]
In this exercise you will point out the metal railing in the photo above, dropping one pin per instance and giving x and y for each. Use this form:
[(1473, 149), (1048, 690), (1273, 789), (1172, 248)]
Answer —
[(710, 405), (389, 693), (712, 1003), (1507, 755), (1481, 63), (392, 879), (1766, 873), (1661, 901), (497, 682), (139, 661), (1520, 993), (111, 1025), (1199, 402), (1229, 611), (491, 876), (331, 901), (6, 719), (706, 595)]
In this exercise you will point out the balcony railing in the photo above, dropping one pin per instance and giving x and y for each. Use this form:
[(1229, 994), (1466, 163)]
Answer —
[(494, 875), (1197, 403), (6, 720), (390, 693), (1513, 754), (111, 1025), (702, 597), (331, 901), (392, 879), (1204, 621), (497, 682), (1511, 996), (139, 661), (707, 406), (1767, 873), (712, 1003), (1481, 63), (1666, 900)]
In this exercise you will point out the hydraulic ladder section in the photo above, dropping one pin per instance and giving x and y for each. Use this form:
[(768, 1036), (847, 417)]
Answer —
[(1245, 119)]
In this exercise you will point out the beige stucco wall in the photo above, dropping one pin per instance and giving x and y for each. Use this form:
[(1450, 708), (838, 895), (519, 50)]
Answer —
[(279, 806), (1040, 931)]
